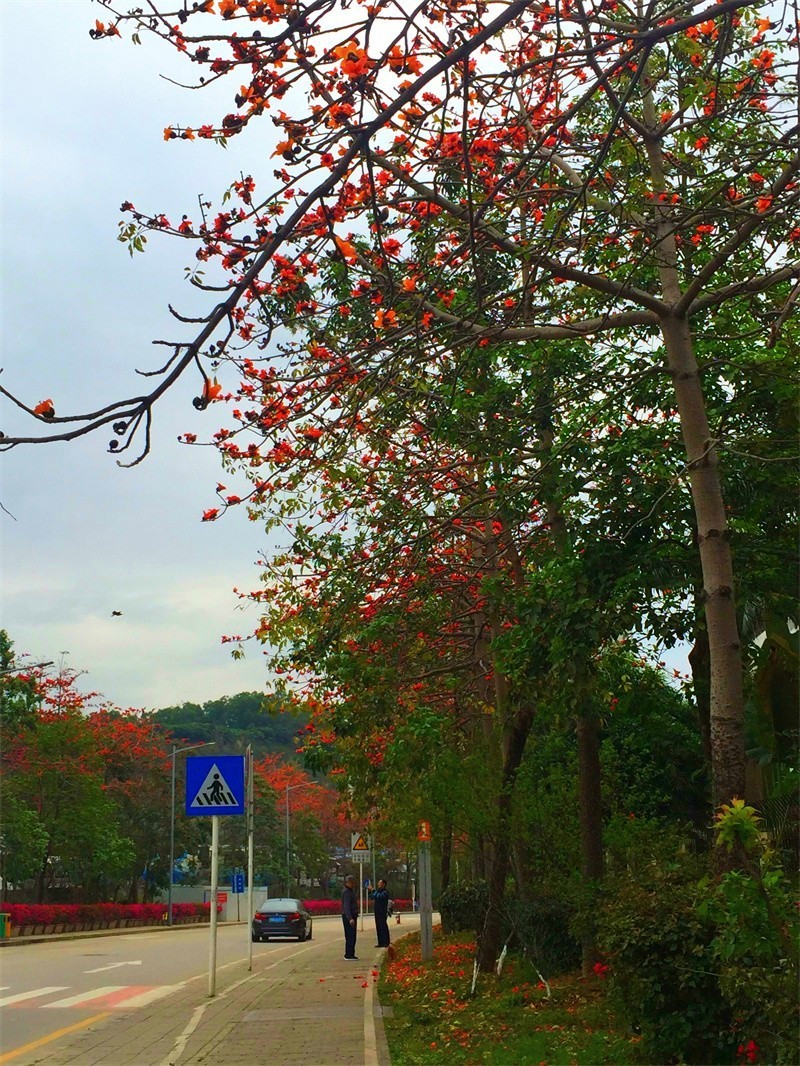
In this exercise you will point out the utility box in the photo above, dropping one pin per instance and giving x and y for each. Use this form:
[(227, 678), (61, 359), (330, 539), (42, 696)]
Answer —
[(5, 926)]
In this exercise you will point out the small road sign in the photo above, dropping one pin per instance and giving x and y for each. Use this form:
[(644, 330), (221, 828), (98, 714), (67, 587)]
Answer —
[(214, 785), (359, 848), (238, 883)]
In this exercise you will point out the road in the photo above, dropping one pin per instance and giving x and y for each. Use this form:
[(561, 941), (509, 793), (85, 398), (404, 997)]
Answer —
[(52, 991)]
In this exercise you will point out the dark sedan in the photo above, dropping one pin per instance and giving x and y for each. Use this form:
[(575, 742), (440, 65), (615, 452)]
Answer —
[(282, 917)]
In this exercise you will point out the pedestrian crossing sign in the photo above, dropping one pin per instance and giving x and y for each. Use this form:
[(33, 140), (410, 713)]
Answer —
[(214, 785)]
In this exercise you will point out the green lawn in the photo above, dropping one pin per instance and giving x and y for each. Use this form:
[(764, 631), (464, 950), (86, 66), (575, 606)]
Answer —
[(510, 1022)]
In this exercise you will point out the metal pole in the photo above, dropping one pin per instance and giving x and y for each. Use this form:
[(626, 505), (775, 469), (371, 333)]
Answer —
[(288, 861), (425, 901), (361, 891), (171, 841), (374, 864), (250, 817), (212, 946)]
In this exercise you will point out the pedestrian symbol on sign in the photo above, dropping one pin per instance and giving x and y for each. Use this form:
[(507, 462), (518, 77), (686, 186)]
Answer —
[(214, 791)]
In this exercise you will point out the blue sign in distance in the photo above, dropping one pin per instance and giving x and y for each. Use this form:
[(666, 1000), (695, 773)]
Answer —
[(214, 785), (238, 883)]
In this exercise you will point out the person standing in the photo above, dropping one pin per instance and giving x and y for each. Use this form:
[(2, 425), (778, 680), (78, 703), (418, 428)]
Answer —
[(349, 917), (381, 904)]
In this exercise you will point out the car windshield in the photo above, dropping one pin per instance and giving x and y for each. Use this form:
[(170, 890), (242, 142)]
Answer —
[(278, 906)]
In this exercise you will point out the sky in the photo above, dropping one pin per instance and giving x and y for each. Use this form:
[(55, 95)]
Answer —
[(82, 131)]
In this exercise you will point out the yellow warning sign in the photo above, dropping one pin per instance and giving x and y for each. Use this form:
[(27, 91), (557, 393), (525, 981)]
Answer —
[(359, 843)]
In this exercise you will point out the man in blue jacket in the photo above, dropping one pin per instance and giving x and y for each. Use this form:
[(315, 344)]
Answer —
[(382, 903), (349, 917)]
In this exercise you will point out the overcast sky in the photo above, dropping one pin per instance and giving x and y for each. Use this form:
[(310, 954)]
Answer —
[(82, 126), (82, 129)]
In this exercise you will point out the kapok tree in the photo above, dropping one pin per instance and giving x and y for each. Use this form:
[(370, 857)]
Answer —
[(636, 170)]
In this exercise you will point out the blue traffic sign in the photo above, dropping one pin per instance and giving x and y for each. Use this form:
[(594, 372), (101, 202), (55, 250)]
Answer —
[(238, 883), (214, 785)]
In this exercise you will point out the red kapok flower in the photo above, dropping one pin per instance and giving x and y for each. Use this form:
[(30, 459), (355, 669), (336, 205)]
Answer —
[(354, 60)]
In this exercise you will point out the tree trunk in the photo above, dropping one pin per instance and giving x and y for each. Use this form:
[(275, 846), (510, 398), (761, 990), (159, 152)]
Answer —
[(726, 690), (447, 856), (590, 817), (701, 686), (41, 881), (491, 936), (727, 685)]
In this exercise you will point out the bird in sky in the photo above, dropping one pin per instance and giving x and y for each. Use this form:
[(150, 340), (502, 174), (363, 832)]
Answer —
[(116, 614)]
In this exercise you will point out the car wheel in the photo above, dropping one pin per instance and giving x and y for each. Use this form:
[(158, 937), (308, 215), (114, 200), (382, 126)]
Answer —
[(256, 938), (310, 932)]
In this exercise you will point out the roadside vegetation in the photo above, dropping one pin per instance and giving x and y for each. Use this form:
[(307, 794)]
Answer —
[(514, 1019)]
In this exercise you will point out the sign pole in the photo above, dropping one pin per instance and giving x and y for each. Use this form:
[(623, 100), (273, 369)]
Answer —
[(361, 890), (374, 863), (425, 891), (212, 945), (250, 820)]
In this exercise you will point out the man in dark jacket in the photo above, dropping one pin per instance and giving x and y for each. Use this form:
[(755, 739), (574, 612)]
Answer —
[(381, 901), (349, 916)]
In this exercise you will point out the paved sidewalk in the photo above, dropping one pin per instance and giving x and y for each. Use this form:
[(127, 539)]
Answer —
[(310, 1007)]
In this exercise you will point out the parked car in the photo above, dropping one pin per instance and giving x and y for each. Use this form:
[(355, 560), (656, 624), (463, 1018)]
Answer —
[(282, 917)]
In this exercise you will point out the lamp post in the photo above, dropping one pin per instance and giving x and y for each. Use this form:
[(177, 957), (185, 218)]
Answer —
[(291, 788), (176, 751)]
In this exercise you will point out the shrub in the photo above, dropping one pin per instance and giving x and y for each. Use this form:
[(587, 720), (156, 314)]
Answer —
[(659, 947), (463, 907), (756, 946), (334, 906), (540, 929), (323, 906)]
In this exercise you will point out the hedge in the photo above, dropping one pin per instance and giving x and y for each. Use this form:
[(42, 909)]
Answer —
[(89, 913), (333, 906)]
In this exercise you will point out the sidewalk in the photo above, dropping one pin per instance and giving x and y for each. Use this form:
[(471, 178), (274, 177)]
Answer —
[(309, 1007)]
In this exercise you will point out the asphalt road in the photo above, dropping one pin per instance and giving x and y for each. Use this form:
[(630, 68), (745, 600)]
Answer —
[(49, 986)]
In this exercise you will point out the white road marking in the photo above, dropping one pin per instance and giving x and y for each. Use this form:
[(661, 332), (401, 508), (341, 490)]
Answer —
[(83, 997), (179, 1046), (370, 1038), (144, 998), (113, 966), (21, 996)]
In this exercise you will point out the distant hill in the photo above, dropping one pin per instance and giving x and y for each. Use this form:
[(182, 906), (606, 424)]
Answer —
[(233, 722)]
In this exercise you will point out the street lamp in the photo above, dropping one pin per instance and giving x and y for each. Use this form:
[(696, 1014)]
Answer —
[(176, 751), (290, 788)]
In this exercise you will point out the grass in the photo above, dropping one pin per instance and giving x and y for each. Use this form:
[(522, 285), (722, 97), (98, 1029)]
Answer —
[(511, 1021)]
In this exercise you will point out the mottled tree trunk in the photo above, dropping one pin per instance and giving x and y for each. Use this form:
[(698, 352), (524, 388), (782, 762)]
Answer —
[(701, 686), (726, 692)]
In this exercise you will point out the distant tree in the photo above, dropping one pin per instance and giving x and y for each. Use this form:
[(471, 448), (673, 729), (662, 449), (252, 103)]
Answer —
[(232, 722)]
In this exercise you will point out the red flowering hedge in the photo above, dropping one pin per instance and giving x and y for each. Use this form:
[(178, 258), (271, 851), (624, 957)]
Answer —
[(334, 906), (91, 913)]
